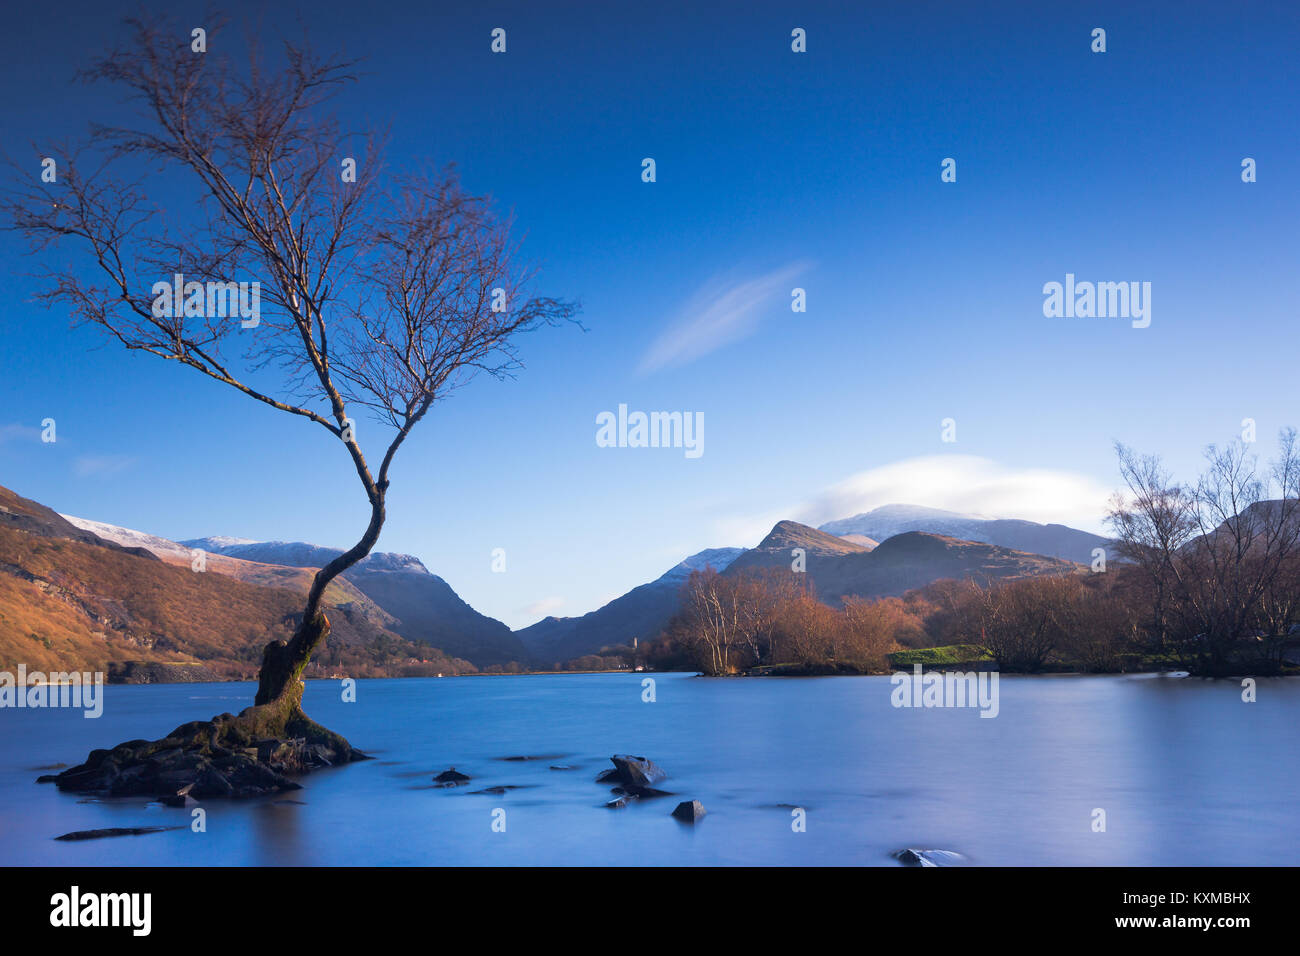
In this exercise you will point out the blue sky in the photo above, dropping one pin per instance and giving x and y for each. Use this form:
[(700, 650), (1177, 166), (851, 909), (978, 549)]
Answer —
[(774, 169)]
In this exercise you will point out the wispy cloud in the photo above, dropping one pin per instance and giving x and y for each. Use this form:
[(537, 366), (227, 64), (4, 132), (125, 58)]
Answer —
[(544, 608), (100, 466), (962, 483), (722, 312), (18, 433)]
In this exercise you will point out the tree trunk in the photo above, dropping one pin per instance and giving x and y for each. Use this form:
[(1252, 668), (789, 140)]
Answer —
[(282, 664)]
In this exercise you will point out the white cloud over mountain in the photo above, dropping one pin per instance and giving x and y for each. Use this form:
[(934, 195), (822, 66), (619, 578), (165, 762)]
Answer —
[(963, 483)]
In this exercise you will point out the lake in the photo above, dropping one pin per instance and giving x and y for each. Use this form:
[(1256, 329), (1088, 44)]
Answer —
[(1186, 773)]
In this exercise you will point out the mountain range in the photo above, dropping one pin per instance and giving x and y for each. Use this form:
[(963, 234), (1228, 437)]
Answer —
[(1053, 540), (391, 607), (838, 566)]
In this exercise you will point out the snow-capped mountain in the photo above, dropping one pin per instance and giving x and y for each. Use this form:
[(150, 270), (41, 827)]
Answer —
[(426, 608), (717, 558), (421, 606), (301, 554), (1053, 540), (889, 520), (130, 538)]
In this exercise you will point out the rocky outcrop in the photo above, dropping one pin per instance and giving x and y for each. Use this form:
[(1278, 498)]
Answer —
[(251, 755)]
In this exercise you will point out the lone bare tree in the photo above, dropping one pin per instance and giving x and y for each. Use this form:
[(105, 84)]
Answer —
[(365, 289)]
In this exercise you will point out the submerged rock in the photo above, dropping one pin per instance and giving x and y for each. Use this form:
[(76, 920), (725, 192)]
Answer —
[(690, 811), (516, 758), (451, 778), (112, 832), (911, 857), (647, 792)]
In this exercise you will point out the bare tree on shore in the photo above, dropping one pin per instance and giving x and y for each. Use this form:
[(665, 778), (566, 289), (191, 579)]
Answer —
[(1221, 555)]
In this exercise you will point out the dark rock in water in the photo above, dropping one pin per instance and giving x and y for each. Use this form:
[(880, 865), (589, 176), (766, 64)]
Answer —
[(222, 757), (632, 771), (649, 792), (522, 757), (451, 778), (619, 802), (48, 778), (112, 832), (910, 857), (503, 788), (559, 767), (181, 798), (690, 811)]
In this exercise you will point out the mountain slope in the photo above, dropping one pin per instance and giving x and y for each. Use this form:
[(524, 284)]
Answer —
[(32, 517), (914, 559), (640, 613), (1052, 540), (777, 549), (71, 600), (423, 606), (838, 568), (298, 579)]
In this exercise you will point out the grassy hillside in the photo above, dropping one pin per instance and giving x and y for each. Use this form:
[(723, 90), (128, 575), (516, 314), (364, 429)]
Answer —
[(68, 604)]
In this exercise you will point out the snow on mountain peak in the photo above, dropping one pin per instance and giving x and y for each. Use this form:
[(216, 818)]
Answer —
[(128, 537), (717, 558)]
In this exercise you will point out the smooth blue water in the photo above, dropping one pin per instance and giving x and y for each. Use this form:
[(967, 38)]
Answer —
[(1187, 773)]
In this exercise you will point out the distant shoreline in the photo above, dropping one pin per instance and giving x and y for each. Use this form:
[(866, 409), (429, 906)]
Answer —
[(788, 673)]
